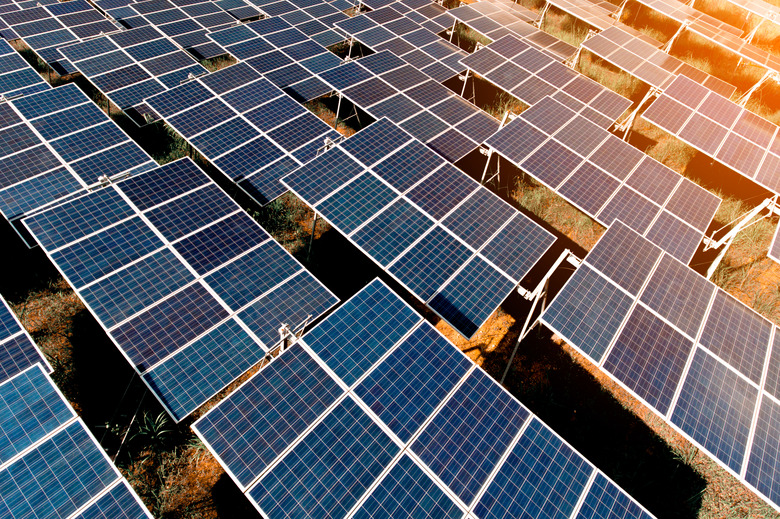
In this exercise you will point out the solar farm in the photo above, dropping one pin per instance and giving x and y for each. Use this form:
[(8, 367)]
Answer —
[(390, 258)]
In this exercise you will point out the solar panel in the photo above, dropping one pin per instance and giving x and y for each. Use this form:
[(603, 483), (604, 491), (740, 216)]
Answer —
[(187, 25), (45, 28), (420, 430), (55, 144), (607, 178), (155, 258), (514, 65), (247, 127), (717, 127), (52, 465), (646, 62), (394, 199), (17, 77), (17, 349), (685, 348), (131, 66)]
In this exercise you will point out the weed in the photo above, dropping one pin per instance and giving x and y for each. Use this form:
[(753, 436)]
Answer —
[(218, 63)]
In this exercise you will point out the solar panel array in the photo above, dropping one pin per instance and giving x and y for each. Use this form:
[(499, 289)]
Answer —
[(456, 246), (416, 43), (17, 349), (717, 32), (17, 77), (721, 129), (760, 8), (314, 18), (286, 56), (694, 354), (383, 85), (518, 68), (247, 127), (45, 28), (132, 65), (56, 143), (653, 66), (375, 414), (50, 464), (607, 178), (186, 24), (496, 19), (188, 286)]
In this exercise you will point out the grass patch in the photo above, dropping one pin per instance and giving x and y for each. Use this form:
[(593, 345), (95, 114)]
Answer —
[(611, 77), (467, 38), (218, 63), (565, 27), (289, 221), (564, 217)]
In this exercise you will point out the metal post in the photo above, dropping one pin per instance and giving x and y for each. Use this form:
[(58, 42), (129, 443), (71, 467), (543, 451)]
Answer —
[(523, 333), (452, 31), (768, 75), (487, 165), (465, 82), (311, 240), (338, 109), (538, 23), (619, 14), (752, 33), (668, 45)]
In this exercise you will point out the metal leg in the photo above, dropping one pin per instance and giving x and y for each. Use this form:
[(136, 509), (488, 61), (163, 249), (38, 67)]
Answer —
[(311, 240), (465, 82), (487, 165)]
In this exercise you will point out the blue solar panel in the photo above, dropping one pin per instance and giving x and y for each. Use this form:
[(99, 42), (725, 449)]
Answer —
[(429, 263), (294, 302), (471, 296), (209, 248), (605, 500), (649, 357), (41, 104), (52, 480), (405, 389), (466, 439), (250, 276), (737, 334), (518, 246), (715, 408), (407, 491), (309, 182), (588, 311), (479, 217), (117, 503), (409, 165), (542, 477), (313, 482), (389, 234), (183, 215), (76, 219), (361, 331), (67, 121), (163, 183), (442, 191), (763, 464), (100, 254), (375, 142), (127, 292), (162, 329), (261, 419), (356, 202), (200, 370), (30, 408)]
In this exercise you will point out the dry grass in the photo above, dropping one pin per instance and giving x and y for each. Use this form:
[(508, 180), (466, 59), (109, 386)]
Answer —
[(557, 212), (618, 81)]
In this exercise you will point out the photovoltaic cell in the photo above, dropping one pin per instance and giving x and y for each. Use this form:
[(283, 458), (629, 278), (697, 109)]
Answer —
[(763, 463), (605, 500), (649, 357), (467, 438), (715, 408), (307, 482), (351, 350), (542, 477), (588, 310), (268, 413), (405, 389)]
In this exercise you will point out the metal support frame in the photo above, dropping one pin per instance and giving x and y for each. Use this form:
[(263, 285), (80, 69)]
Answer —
[(465, 82), (769, 75), (536, 295), (540, 21), (666, 47), (617, 15), (749, 36), (739, 225), (626, 125), (508, 117), (311, 238), (574, 60), (452, 31)]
